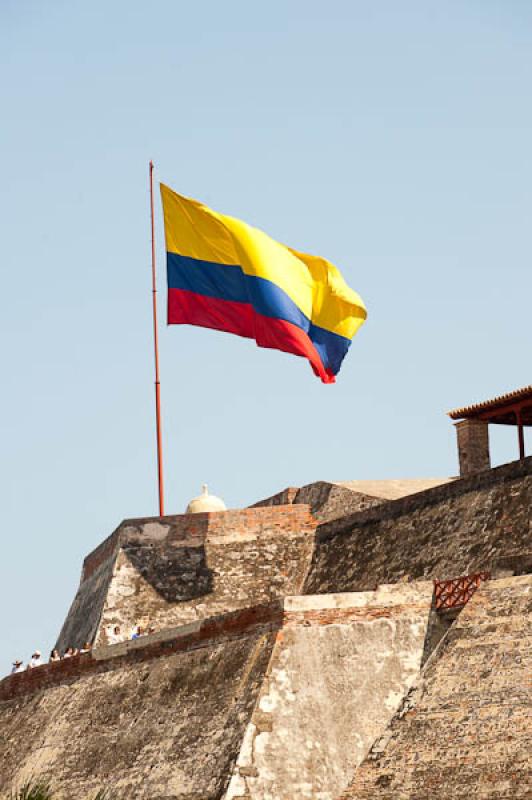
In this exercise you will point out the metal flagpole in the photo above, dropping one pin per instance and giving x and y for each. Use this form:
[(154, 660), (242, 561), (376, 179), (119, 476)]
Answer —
[(156, 347)]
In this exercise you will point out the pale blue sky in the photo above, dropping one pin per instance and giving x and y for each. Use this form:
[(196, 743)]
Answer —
[(392, 138)]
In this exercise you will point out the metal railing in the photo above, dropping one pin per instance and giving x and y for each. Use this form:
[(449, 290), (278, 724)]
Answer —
[(455, 593)]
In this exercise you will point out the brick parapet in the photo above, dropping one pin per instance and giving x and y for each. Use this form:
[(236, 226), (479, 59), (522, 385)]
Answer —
[(192, 529), (267, 617), (217, 521)]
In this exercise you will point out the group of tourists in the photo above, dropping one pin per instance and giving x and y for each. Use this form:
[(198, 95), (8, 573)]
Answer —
[(114, 636), (37, 660)]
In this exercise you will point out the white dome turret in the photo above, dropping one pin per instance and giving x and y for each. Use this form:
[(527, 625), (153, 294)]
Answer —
[(205, 502)]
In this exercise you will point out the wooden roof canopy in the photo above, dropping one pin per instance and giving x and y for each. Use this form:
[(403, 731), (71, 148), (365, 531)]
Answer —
[(514, 408)]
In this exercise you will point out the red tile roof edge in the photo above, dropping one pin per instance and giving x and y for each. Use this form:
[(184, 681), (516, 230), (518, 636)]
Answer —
[(495, 402)]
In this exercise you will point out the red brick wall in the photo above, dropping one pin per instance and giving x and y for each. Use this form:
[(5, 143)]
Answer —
[(246, 522)]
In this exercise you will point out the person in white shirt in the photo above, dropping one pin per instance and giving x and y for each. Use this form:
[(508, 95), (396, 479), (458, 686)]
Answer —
[(114, 635), (35, 660), (18, 666)]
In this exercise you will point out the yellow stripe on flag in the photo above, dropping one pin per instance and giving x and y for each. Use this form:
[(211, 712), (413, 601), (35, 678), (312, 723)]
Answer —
[(314, 284)]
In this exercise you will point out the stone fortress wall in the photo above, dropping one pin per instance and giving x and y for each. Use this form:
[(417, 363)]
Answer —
[(172, 570), (161, 720), (279, 669), (254, 678), (481, 522), (168, 571)]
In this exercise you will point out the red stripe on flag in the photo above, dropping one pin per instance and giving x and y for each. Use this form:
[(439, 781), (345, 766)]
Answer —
[(189, 308)]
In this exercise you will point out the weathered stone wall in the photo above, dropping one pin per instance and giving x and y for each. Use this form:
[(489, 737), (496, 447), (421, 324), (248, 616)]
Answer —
[(83, 619), (329, 501), (464, 730), (479, 523), (326, 500), (166, 572), (340, 667), (172, 570), (164, 721), (158, 718), (295, 688)]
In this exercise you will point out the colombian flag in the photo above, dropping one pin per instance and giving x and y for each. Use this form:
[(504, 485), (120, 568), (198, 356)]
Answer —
[(227, 275)]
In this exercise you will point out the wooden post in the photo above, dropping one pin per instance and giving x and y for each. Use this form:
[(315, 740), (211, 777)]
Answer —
[(520, 434)]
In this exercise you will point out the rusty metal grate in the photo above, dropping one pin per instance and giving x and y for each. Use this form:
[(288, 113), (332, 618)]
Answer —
[(455, 593)]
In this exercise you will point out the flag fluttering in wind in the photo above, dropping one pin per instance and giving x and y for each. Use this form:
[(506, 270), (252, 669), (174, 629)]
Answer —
[(230, 276)]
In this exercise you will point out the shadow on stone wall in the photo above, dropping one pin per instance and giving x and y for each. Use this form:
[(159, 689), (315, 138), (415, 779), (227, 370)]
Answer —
[(177, 574)]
